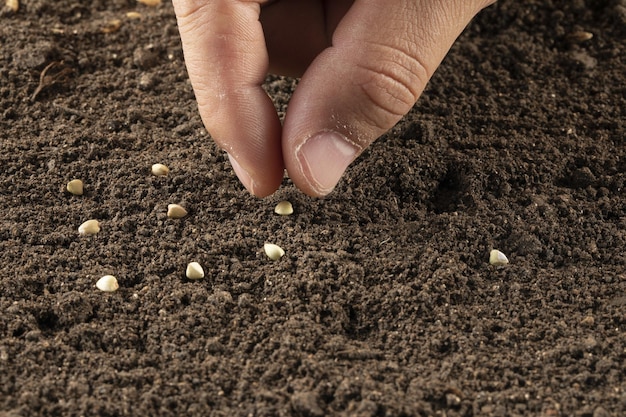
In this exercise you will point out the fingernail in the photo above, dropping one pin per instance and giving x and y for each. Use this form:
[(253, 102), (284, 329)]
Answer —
[(243, 176), (324, 158)]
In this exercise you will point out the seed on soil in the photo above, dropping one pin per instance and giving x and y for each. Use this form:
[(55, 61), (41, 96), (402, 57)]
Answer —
[(111, 26), (75, 187), (284, 208), (274, 252), (13, 5), (174, 211), (107, 283), (90, 227), (497, 258), (133, 15), (579, 36), (160, 170), (194, 271), (150, 2)]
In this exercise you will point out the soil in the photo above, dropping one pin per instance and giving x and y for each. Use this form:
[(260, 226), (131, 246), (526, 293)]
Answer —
[(385, 303)]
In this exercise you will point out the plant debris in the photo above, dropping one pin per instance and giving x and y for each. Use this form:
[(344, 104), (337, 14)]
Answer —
[(55, 72)]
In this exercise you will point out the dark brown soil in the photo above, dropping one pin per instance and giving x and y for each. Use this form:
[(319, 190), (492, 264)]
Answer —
[(385, 303)]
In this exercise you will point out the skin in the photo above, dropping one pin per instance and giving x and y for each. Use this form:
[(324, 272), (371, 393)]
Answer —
[(363, 63)]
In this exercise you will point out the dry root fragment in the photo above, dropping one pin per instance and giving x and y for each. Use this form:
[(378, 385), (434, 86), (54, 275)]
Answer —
[(194, 271), (90, 227), (54, 73), (274, 252), (75, 187), (107, 283), (284, 208), (497, 258), (174, 211)]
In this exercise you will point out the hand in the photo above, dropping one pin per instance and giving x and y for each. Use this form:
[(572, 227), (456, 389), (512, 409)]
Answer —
[(364, 64)]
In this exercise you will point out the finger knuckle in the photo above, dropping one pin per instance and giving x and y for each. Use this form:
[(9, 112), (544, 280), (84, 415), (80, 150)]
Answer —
[(391, 85)]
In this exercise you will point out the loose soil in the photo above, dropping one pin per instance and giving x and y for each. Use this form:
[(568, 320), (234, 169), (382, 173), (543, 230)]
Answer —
[(385, 303)]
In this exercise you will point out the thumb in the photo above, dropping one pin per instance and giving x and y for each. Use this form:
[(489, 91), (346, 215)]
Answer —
[(382, 56)]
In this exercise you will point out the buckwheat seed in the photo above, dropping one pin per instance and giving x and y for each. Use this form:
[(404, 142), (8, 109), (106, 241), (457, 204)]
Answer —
[(107, 283), (75, 187), (174, 211), (90, 227), (160, 170), (194, 271), (497, 258), (274, 252), (284, 208)]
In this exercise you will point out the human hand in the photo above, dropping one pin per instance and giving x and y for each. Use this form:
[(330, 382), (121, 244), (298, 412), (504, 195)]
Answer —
[(364, 64)]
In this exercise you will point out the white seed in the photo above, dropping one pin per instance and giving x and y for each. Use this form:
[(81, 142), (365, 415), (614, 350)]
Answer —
[(13, 5), (194, 271), (284, 208), (497, 258), (90, 227), (150, 2), (75, 187), (274, 252), (174, 211), (107, 283), (160, 170)]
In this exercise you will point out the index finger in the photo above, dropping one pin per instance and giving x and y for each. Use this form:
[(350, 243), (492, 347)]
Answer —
[(227, 62)]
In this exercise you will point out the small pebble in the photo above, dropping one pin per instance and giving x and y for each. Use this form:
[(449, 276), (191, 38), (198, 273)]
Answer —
[(284, 208), (174, 211), (497, 258), (160, 170), (194, 271), (107, 283), (75, 187), (90, 227), (274, 252)]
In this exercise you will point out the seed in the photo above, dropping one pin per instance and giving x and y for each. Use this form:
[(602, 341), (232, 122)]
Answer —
[(133, 15), (174, 211), (107, 283), (13, 5), (497, 258), (90, 227), (579, 36), (274, 252), (160, 170), (194, 271), (75, 187), (111, 26), (150, 2), (284, 208)]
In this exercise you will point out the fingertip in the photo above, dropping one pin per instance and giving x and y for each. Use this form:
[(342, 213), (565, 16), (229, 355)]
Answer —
[(259, 186)]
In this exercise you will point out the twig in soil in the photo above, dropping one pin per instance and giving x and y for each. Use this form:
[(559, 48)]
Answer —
[(59, 74), (70, 111)]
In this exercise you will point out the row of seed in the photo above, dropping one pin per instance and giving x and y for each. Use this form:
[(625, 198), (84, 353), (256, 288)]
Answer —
[(194, 270)]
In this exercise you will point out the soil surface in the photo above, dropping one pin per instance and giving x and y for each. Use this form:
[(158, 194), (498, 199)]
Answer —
[(385, 303)]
